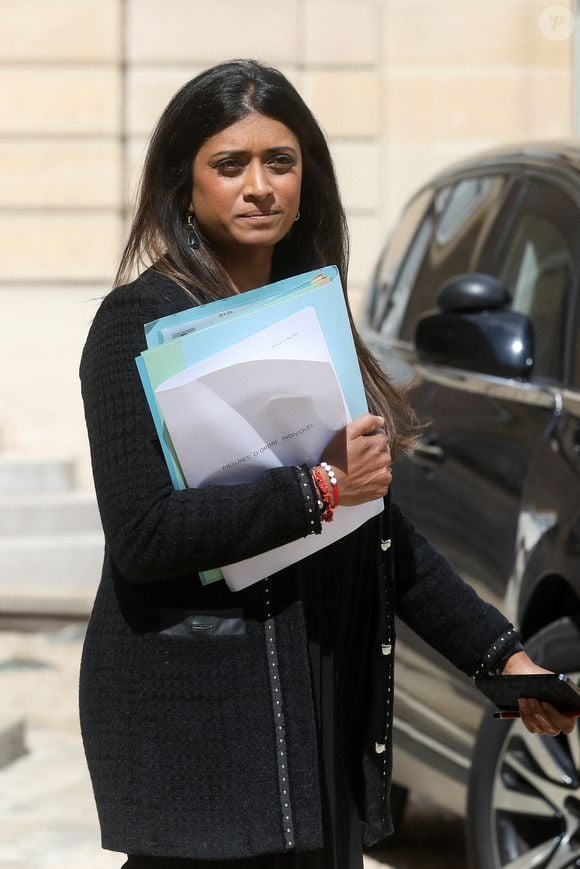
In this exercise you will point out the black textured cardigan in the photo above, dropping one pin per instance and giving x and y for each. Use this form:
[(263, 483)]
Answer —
[(181, 734)]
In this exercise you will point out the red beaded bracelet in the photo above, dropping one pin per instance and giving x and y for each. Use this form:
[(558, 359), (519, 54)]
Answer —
[(327, 514)]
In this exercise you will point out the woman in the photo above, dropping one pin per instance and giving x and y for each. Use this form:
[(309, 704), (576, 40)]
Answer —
[(269, 743)]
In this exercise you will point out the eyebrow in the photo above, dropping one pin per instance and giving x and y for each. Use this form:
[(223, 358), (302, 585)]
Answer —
[(240, 152)]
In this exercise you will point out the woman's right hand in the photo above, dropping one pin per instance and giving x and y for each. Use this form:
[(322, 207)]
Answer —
[(361, 459)]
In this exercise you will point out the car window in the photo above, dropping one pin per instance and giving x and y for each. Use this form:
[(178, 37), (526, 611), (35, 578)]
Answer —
[(457, 206), (537, 267), (455, 229), (388, 295)]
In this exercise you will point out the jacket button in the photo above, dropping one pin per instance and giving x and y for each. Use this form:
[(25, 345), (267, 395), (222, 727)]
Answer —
[(386, 544), (379, 747), (386, 648)]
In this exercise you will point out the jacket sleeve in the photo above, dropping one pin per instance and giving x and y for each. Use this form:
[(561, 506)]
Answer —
[(151, 530), (440, 607)]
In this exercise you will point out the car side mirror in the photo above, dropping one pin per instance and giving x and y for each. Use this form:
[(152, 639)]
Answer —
[(474, 331), (474, 292)]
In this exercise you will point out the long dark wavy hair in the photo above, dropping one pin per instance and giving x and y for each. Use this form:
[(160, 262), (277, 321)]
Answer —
[(203, 107)]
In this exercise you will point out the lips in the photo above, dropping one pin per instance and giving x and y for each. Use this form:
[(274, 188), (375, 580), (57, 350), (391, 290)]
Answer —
[(259, 215)]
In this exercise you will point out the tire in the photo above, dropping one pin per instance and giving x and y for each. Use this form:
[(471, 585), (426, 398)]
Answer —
[(524, 790)]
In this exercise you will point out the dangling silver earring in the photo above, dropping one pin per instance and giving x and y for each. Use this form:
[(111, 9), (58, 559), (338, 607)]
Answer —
[(192, 236), (297, 216)]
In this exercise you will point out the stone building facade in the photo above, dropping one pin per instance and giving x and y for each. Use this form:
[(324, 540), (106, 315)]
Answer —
[(401, 87)]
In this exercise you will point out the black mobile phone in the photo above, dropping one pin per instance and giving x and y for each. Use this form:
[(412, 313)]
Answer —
[(555, 688)]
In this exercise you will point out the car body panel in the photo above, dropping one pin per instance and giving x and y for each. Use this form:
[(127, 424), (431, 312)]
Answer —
[(494, 480)]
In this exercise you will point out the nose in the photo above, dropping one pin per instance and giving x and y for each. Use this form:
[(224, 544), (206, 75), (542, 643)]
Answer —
[(257, 181)]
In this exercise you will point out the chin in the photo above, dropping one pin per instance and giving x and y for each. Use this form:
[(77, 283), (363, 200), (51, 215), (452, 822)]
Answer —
[(259, 239)]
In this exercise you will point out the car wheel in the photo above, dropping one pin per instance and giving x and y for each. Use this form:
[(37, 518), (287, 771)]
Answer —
[(524, 790)]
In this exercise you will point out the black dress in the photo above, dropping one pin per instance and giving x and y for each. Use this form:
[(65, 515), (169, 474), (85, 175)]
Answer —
[(336, 639)]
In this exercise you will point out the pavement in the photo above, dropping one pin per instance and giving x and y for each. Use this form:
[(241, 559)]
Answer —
[(47, 813)]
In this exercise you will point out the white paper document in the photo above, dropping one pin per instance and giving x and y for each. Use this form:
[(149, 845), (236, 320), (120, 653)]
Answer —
[(268, 401)]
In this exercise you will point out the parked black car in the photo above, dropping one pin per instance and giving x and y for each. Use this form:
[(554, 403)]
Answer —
[(476, 301)]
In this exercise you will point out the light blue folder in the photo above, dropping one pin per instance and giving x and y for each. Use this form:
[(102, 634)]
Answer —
[(221, 324), (156, 331), (253, 311)]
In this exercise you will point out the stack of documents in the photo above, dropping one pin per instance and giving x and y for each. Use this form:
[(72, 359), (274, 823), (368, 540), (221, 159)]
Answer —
[(260, 380)]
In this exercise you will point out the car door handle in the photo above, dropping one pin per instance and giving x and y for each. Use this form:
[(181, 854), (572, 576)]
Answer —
[(427, 455)]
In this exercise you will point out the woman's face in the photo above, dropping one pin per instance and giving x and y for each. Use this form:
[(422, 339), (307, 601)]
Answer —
[(246, 184)]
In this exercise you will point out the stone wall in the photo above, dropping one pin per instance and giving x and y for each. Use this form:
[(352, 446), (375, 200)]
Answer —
[(401, 87)]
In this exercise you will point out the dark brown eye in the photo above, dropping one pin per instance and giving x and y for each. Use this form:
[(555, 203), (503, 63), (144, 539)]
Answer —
[(228, 166), (282, 161)]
